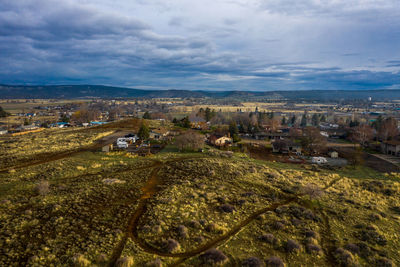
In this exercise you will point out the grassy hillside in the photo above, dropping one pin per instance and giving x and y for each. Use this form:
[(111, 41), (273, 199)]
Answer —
[(214, 208)]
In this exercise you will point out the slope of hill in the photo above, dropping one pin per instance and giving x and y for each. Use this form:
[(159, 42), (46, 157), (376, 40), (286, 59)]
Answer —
[(198, 209), (92, 91)]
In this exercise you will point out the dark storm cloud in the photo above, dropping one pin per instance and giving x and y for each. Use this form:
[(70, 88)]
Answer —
[(215, 45)]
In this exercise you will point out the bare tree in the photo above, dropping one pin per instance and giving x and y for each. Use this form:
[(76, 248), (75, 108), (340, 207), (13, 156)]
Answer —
[(114, 113), (85, 115), (312, 141), (362, 134), (190, 140), (274, 123), (388, 129)]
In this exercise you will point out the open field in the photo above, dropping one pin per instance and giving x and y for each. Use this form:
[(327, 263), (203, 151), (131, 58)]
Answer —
[(172, 208), (20, 105), (50, 142)]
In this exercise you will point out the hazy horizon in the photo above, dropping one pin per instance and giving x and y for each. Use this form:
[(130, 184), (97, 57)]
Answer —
[(209, 45)]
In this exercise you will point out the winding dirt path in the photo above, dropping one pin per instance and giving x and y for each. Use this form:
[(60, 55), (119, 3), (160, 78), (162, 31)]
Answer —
[(153, 186)]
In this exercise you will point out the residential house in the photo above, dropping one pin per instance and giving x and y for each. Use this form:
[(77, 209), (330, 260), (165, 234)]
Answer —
[(27, 127), (220, 140), (198, 123), (328, 126), (286, 146), (159, 133), (276, 135), (391, 147)]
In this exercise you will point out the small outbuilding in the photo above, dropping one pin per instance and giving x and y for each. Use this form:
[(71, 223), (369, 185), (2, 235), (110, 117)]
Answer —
[(333, 154), (107, 148)]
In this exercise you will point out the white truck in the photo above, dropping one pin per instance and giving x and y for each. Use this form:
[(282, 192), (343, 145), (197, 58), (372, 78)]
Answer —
[(122, 143), (318, 160)]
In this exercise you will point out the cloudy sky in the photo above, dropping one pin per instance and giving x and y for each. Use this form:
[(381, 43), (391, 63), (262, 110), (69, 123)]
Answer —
[(254, 45)]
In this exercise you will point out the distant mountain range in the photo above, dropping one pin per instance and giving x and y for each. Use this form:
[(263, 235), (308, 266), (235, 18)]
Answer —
[(99, 91)]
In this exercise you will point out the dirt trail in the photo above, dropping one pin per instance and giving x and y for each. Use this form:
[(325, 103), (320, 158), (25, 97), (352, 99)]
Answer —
[(148, 190), (328, 243), (152, 187)]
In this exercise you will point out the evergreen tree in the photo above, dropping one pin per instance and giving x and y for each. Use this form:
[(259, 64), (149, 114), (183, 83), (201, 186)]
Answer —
[(3, 113), (378, 123), (323, 118), (293, 119), (144, 132), (64, 118), (354, 123), (186, 122), (283, 122), (233, 129), (146, 115), (271, 115), (208, 114), (315, 120), (303, 122), (249, 128), (242, 128)]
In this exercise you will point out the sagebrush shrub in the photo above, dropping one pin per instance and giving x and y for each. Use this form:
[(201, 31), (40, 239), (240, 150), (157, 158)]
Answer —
[(42, 188), (269, 238), (171, 245), (275, 261), (292, 246), (213, 257), (252, 262), (80, 261)]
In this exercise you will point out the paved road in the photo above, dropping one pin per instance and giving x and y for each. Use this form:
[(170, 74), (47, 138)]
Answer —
[(392, 159)]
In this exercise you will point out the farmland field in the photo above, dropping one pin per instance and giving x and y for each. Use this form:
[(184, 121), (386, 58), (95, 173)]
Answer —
[(212, 208)]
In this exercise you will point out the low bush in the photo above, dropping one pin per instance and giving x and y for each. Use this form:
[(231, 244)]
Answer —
[(226, 208), (275, 261), (213, 257), (171, 245), (383, 262), (154, 263), (182, 231), (344, 258), (42, 188), (252, 262), (313, 249), (269, 238), (292, 246), (80, 261), (125, 262)]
